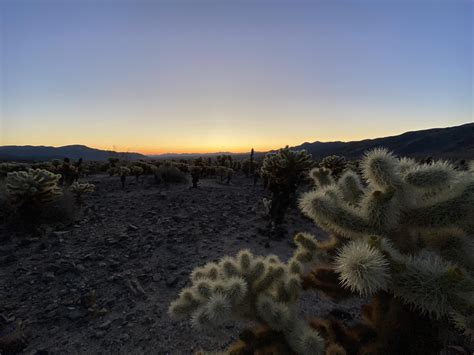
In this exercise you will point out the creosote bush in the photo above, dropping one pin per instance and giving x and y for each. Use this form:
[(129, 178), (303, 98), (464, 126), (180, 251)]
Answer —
[(402, 235)]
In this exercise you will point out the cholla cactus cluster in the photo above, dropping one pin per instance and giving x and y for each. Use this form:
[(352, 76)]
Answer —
[(80, 189), (32, 187), (407, 228), (286, 167), (401, 233), (252, 288)]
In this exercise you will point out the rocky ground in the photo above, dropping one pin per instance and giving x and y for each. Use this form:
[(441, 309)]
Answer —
[(103, 283)]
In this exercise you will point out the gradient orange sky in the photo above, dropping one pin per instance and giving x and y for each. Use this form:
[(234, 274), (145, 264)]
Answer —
[(207, 76)]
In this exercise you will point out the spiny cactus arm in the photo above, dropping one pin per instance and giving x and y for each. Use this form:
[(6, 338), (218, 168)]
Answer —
[(351, 187), (381, 169), (431, 284), (452, 244), (325, 208), (300, 336), (464, 323), (434, 176), (450, 208), (381, 209), (321, 177)]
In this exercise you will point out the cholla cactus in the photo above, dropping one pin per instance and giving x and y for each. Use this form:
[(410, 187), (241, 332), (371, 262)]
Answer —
[(334, 163), (80, 189), (402, 235), (284, 171), (32, 187), (410, 225), (137, 171), (123, 172), (252, 288)]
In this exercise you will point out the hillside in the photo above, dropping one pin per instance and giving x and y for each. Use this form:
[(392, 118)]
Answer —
[(38, 153), (452, 142)]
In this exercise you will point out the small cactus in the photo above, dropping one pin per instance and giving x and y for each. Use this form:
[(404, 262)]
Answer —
[(253, 288), (80, 189)]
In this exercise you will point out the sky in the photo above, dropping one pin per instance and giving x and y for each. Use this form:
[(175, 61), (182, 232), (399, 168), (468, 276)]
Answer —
[(228, 75)]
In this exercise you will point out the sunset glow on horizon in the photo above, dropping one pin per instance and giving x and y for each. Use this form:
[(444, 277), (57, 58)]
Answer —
[(210, 76)]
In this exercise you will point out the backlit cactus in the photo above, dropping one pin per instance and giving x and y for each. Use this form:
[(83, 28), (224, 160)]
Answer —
[(33, 187), (401, 234), (252, 288), (411, 227), (335, 164)]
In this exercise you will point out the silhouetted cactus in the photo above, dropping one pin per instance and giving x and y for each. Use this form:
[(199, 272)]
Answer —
[(335, 163), (196, 172), (123, 172), (284, 170)]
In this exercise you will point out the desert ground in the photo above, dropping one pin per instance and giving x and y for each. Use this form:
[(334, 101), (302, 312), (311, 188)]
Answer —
[(103, 283)]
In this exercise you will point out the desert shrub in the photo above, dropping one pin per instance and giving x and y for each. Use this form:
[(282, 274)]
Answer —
[(171, 175), (403, 239), (284, 171)]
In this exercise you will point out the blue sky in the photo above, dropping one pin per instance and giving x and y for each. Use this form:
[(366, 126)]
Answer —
[(161, 76)]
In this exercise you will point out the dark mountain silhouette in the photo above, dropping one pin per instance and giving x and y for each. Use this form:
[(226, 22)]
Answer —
[(39, 153), (450, 143)]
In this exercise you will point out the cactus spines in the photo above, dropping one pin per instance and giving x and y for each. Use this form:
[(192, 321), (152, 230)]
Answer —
[(321, 177), (261, 289), (362, 268), (33, 187)]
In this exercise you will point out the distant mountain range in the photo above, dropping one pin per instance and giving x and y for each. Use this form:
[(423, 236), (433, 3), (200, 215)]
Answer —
[(450, 143), (40, 153)]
